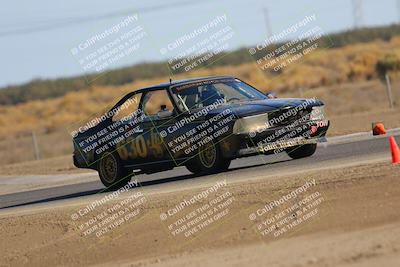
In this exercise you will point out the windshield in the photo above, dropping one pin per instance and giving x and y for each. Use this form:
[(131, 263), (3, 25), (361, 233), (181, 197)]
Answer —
[(199, 95)]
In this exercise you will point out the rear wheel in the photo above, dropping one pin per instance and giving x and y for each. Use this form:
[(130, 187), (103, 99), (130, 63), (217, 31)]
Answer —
[(208, 160), (111, 171), (302, 151)]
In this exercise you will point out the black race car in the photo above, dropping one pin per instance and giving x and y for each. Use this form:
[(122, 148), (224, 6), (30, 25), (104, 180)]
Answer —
[(200, 123)]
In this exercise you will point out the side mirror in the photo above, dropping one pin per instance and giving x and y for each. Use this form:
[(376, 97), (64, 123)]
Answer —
[(271, 95)]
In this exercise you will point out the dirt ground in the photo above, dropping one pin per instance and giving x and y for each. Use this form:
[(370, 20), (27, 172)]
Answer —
[(56, 165), (351, 219)]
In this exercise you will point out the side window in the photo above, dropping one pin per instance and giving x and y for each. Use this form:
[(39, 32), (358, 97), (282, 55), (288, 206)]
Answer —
[(156, 104), (129, 108)]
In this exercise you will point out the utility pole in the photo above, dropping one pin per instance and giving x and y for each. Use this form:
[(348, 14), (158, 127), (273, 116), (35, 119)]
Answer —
[(398, 10), (267, 21), (35, 146), (358, 13), (389, 90)]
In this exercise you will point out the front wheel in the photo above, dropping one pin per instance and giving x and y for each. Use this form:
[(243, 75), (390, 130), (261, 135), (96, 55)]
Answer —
[(208, 160), (302, 151), (111, 171)]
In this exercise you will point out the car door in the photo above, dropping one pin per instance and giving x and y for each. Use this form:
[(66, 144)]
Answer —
[(128, 120), (159, 114)]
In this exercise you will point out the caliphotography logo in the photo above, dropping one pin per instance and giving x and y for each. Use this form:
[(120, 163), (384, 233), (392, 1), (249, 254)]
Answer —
[(188, 133)]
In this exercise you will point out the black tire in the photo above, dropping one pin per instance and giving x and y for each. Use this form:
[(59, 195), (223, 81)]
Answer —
[(302, 151), (208, 160), (112, 173)]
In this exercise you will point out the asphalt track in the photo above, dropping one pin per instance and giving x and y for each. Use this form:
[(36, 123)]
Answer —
[(338, 152)]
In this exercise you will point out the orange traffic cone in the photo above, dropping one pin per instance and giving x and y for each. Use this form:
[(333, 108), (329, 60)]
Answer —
[(378, 128), (395, 150)]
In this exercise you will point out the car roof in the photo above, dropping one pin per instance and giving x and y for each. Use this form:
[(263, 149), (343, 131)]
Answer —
[(185, 81), (167, 84)]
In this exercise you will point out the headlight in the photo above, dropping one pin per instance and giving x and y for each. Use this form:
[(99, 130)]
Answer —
[(317, 113), (251, 124)]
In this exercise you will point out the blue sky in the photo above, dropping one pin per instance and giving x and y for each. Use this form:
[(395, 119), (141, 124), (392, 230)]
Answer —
[(28, 52)]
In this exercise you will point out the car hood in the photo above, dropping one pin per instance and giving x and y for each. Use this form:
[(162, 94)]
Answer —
[(250, 108)]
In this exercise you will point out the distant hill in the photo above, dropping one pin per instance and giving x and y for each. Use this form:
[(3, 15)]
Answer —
[(46, 89)]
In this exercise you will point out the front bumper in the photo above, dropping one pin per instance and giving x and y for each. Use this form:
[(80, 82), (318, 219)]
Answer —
[(277, 139)]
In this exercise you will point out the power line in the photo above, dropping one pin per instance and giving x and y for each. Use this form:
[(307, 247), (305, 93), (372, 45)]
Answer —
[(66, 22)]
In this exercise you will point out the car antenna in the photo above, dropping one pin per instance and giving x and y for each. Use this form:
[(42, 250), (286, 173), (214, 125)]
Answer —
[(170, 80)]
